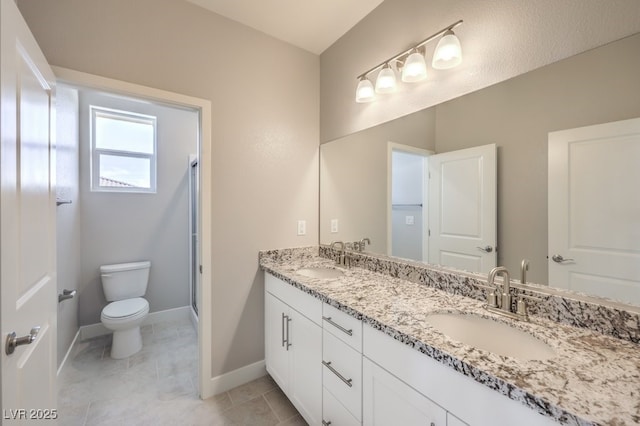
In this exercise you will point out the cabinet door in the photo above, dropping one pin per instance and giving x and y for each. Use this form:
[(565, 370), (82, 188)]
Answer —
[(276, 350), (389, 401), (305, 383)]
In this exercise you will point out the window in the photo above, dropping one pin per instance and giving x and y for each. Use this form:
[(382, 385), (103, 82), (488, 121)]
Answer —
[(123, 151)]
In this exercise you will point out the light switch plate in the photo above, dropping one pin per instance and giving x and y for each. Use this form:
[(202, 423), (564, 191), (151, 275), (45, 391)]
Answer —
[(302, 227), (334, 226), (409, 220)]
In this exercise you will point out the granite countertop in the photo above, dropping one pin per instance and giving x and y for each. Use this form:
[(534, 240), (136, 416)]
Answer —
[(593, 380)]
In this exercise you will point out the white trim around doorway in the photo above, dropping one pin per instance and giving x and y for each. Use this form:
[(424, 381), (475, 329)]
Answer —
[(206, 385)]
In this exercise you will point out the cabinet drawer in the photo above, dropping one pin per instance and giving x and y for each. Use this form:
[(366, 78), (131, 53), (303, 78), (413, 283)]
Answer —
[(343, 326), (342, 373), (302, 302), (334, 413)]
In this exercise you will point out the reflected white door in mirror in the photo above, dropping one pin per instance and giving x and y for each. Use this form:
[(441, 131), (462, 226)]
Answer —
[(594, 210), (442, 207)]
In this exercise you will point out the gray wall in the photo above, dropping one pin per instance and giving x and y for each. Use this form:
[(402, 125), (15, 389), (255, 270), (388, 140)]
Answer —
[(265, 109), (68, 223), (126, 227), (500, 39)]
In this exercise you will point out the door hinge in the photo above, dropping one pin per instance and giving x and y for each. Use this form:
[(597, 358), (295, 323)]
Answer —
[(200, 268), (429, 232)]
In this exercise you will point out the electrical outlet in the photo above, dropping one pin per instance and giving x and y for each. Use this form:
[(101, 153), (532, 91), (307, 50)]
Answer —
[(334, 226), (408, 220), (302, 227)]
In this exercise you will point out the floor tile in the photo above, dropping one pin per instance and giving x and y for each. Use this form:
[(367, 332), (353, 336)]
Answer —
[(158, 386)]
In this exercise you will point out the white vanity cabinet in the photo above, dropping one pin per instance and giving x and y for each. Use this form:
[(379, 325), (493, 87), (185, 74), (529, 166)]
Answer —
[(461, 399), (293, 346), (338, 371)]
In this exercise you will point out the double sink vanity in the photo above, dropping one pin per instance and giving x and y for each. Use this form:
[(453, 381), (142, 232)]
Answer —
[(396, 342)]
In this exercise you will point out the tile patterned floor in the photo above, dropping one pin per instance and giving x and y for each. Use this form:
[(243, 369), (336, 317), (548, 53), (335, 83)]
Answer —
[(157, 386)]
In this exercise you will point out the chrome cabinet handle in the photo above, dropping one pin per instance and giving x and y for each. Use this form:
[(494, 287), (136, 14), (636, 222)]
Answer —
[(340, 376), (12, 341), (282, 323), (486, 249), (325, 423), (288, 342), (559, 259), (338, 326)]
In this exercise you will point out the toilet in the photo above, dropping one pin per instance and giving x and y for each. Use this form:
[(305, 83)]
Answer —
[(124, 284)]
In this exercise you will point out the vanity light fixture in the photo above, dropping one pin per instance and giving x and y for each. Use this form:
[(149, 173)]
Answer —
[(448, 54), (386, 81), (365, 92), (415, 68)]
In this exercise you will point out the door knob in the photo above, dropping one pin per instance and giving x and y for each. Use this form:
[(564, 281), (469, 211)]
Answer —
[(486, 249), (13, 341), (559, 259)]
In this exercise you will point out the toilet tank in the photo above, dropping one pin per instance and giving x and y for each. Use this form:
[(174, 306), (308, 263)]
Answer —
[(125, 280)]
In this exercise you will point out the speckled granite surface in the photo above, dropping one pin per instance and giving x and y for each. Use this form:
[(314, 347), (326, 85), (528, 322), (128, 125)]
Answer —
[(593, 379)]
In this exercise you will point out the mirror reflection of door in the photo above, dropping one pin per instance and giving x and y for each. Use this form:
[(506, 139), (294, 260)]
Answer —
[(408, 216), (463, 209), (594, 210)]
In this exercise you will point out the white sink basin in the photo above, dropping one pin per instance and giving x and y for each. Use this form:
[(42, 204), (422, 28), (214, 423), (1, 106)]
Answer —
[(320, 272), (490, 335)]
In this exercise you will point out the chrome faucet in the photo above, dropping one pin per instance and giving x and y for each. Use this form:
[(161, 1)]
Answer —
[(524, 267), (341, 253), (363, 242), (505, 300), (343, 259), (502, 304)]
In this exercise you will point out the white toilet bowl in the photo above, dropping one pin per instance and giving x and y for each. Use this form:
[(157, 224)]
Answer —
[(124, 318), (124, 285)]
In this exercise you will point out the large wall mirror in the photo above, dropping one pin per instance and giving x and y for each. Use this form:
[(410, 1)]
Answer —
[(517, 117)]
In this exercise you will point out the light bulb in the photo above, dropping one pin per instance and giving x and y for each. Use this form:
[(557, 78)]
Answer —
[(365, 92), (414, 69), (448, 52), (386, 81)]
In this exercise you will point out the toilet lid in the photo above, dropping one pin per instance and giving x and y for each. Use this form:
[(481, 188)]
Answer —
[(125, 308)]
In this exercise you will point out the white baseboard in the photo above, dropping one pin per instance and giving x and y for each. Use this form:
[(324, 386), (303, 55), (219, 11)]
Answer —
[(175, 314), (69, 349), (234, 378)]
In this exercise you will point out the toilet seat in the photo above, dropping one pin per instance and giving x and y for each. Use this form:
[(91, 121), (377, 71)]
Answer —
[(126, 309)]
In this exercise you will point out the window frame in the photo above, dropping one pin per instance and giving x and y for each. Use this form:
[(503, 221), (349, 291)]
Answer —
[(129, 116)]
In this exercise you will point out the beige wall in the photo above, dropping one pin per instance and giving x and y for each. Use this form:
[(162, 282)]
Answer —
[(500, 39), (595, 87), (265, 109), (353, 173)]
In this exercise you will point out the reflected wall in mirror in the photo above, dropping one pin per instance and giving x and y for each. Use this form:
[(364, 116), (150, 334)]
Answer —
[(594, 87)]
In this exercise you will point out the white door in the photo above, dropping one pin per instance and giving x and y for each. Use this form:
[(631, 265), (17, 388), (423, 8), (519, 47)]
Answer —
[(462, 209), (594, 210), (27, 221)]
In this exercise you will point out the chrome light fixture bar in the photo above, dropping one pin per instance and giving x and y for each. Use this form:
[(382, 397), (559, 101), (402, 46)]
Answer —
[(448, 54)]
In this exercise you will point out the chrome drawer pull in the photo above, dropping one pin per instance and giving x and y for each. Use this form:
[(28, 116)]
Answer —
[(334, 371), (338, 326), (326, 423)]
